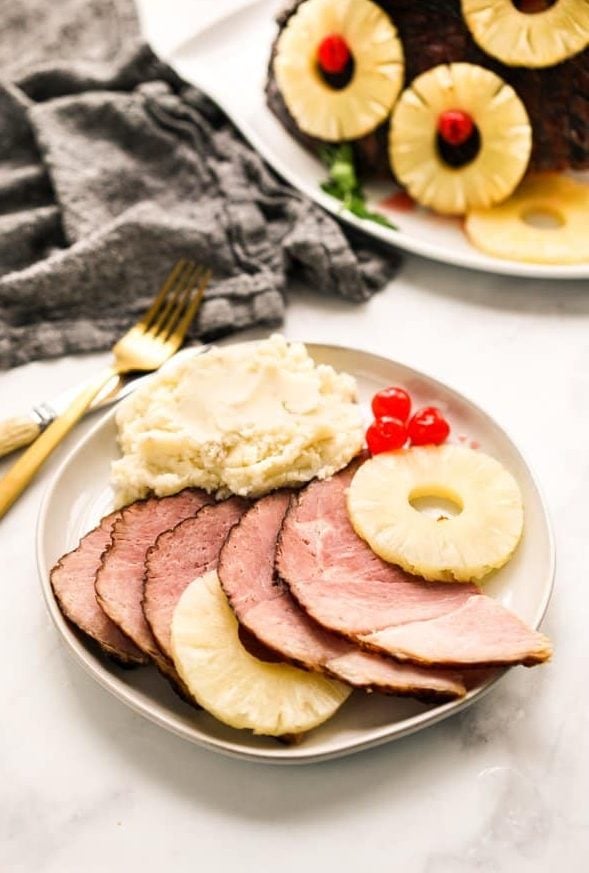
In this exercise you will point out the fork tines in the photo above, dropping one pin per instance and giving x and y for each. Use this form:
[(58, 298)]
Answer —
[(175, 306)]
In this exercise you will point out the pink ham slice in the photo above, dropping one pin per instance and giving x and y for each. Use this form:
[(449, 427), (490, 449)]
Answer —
[(269, 612), (481, 631), (72, 580), (344, 586), (180, 555), (119, 581)]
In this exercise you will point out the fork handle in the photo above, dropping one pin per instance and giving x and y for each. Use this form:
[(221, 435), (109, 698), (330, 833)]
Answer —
[(23, 471)]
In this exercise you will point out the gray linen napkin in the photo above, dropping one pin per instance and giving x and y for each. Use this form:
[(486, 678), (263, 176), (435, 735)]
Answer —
[(112, 168)]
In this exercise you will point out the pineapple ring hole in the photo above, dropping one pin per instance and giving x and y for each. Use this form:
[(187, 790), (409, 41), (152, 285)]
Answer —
[(543, 218), (436, 501), (337, 81), (458, 156), (532, 7)]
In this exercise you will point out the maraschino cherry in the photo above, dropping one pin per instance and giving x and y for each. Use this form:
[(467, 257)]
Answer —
[(393, 402), (333, 54), (386, 435), (455, 126), (428, 427)]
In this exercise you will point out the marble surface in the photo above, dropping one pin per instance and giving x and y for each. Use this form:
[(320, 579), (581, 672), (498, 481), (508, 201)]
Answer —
[(86, 785)]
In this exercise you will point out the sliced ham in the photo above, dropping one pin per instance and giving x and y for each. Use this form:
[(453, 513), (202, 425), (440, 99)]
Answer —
[(481, 631), (72, 579), (344, 586), (268, 611), (119, 581), (180, 555)]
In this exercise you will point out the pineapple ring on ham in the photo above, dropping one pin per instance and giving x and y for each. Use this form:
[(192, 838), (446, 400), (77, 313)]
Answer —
[(482, 537), (502, 123), (534, 39), (508, 231), (240, 690), (350, 112)]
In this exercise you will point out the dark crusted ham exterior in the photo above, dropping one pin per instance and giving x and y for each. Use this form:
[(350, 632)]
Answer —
[(119, 581), (344, 586), (434, 32), (178, 557), (72, 580), (269, 612)]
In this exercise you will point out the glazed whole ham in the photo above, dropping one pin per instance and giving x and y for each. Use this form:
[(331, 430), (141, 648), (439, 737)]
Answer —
[(344, 586), (434, 32), (268, 611)]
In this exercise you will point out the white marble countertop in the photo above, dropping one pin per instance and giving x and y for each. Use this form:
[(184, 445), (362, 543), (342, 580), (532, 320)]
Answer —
[(87, 785)]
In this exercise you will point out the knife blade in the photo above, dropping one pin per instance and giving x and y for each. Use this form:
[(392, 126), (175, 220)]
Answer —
[(21, 430)]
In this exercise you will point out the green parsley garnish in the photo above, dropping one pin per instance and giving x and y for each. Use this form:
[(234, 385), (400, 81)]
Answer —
[(342, 182)]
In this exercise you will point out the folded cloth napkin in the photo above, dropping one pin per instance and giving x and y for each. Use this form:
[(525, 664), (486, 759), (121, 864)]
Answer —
[(112, 168)]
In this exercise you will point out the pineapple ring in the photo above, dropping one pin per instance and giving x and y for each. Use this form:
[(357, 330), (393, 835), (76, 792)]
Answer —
[(366, 101), (519, 39), (504, 128), (461, 549), (240, 690), (504, 232)]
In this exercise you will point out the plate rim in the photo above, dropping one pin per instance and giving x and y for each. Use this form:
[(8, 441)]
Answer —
[(392, 237), (158, 713)]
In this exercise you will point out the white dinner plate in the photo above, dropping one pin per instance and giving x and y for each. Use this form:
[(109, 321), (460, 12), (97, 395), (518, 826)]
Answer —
[(80, 495), (228, 60)]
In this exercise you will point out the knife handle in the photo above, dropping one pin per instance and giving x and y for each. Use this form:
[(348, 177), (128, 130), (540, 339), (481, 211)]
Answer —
[(14, 482), (17, 432)]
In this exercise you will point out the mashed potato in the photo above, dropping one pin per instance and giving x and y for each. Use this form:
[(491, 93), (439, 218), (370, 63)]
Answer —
[(244, 420)]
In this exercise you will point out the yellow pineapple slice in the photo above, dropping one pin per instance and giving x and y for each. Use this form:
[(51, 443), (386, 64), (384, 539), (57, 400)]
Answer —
[(343, 113), (546, 221), (502, 124), (528, 39), (482, 537), (240, 690)]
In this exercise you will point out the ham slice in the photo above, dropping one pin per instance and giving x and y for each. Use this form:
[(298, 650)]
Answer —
[(72, 580), (119, 581), (481, 631), (268, 611), (343, 585), (180, 555)]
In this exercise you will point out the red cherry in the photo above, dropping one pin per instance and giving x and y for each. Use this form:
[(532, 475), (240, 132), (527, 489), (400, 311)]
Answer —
[(385, 435), (333, 54), (393, 402), (455, 126), (428, 427)]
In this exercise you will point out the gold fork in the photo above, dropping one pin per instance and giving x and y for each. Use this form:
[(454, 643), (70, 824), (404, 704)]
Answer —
[(146, 346)]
